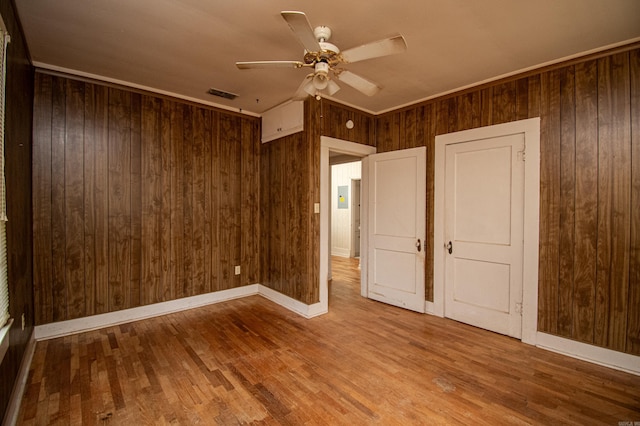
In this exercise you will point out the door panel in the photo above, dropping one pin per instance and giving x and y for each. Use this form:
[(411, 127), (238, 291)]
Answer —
[(397, 221), (484, 183)]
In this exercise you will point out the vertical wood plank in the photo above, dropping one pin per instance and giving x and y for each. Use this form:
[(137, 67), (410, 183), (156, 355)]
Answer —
[(216, 230), (89, 208), (534, 97), (119, 198), (633, 321), (74, 199), (208, 205), (469, 110), (504, 103), (486, 109), (58, 241), (42, 192), (166, 289), (151, 200), (235, 197), (430, 135), (101, 198), (452, 104), (198, 201), (228, 142), (441, 117), (250, 187), (177, 209), (549, 202), (586, 195), (522, 99), (277, 226), (187, 194), (313, 253), (410, 128), (135, 290), (614, 206), (567, 201)]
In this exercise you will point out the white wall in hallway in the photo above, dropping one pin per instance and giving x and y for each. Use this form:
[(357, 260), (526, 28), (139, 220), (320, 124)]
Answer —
[(341, 175)]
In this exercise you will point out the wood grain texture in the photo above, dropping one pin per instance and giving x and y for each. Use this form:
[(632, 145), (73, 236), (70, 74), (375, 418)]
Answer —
[(119, 208), (586, 207), (549, 269), (18, 128), (567, 207), (42, 207), (333, 119), (147, 207), (633, 327), (614, 167), (588, 252), (587, 283), (262, 364)]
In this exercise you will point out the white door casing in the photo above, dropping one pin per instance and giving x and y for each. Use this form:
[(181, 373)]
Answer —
[(530, 131), (396, 229), (327, 145), (484, 183)]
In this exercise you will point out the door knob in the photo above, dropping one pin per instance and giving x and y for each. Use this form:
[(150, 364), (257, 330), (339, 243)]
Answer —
[(449, 247), (418, 245)]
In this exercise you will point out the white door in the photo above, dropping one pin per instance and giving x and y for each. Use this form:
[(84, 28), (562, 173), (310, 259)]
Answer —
[(484, 186), (396, 229)]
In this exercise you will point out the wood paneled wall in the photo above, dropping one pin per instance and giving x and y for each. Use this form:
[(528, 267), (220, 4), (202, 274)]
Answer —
[(290, 186), (333, 119), (18, 127), (138, 199), (290, 179), (589, 270)]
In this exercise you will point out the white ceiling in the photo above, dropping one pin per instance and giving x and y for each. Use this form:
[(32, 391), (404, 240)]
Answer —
[(184, 47)]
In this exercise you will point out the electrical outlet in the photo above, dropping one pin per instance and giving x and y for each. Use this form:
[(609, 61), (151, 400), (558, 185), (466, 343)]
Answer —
[(23, 322), (237, 269)]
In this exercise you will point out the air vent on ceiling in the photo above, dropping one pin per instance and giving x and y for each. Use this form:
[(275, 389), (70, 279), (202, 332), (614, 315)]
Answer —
[(222, 93)]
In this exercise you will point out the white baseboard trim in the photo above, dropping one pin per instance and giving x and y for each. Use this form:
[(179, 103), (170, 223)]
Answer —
[(94, 322), (15, 400), (307, 311), (594, 354), (340, 252)]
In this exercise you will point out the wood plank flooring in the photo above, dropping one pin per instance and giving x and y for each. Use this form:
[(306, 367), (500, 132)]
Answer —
[(249, 361)]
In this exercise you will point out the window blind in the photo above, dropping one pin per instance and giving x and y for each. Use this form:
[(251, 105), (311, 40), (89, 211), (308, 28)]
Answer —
[(4, 281)]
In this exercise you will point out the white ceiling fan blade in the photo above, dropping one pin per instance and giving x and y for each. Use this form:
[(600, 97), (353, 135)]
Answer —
[(359, 83), (302, 29), (388, 46), (269, 64)]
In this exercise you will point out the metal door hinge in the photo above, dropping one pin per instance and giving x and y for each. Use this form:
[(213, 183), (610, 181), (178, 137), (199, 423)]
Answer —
[(519, 308), (522, 155)]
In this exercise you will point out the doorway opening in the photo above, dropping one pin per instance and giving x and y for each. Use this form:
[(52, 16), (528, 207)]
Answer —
[(345, 178), (336, 148)]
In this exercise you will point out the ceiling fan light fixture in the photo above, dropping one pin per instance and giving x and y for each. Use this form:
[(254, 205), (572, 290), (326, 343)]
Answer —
[(321, 76), (310, 88)]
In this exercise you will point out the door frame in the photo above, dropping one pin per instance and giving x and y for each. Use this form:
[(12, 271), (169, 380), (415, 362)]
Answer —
[(531, 130), (355, 202), (328, 144)]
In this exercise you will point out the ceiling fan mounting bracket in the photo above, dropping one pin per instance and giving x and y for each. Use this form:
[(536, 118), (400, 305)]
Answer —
[(322, 33)]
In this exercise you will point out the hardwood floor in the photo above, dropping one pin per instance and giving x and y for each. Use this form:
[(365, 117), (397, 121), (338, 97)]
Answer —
[(251, 361)]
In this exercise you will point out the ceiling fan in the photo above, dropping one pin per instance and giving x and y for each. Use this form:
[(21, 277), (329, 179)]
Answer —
[(325, 57)]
